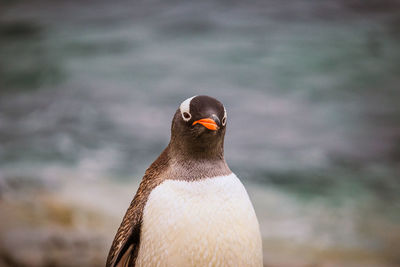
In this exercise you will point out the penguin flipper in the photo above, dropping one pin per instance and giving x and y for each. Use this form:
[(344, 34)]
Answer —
[(124, 248), (128, 258)]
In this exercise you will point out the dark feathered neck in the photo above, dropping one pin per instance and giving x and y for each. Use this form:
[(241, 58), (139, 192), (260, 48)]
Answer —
[(184, 165)]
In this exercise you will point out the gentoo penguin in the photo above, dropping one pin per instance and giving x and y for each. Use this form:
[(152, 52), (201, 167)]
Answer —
[(190, 209)]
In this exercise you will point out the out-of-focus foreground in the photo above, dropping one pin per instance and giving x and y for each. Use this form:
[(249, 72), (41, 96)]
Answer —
[(88, 90)]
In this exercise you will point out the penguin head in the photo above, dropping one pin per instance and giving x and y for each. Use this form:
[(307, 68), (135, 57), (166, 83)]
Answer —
[(199, 124)]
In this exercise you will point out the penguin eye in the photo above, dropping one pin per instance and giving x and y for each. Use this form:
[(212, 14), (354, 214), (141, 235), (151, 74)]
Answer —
[(186, 116), (224, 118), (185, 109), (223, 121)]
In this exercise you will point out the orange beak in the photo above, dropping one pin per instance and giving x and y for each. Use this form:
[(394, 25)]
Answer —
[(208, 123)]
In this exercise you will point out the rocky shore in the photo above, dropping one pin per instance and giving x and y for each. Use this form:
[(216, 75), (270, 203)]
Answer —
[(73, 225)]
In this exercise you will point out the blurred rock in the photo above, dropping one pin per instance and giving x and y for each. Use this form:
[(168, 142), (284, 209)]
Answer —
[(49, 232)]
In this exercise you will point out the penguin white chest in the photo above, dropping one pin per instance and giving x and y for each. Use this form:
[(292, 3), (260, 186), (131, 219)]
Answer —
[(210, 222)]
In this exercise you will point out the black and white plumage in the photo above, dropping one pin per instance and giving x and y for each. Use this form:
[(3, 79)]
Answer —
[(190, 209)]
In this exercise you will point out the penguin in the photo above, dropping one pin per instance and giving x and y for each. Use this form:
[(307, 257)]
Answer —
[(190, 209)]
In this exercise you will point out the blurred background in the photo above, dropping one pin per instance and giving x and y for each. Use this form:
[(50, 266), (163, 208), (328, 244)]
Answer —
[(88, 90)]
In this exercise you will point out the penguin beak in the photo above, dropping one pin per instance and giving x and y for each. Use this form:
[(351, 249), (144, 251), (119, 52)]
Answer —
[(208, 123)]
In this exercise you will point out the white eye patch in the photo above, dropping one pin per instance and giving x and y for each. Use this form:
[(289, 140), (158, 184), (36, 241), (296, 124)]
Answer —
[(224, 118), (185, 109)]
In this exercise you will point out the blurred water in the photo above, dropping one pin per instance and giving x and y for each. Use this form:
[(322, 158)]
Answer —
[(88, 90)]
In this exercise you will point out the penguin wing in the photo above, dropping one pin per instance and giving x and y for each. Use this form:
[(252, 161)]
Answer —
[(125, 245)]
